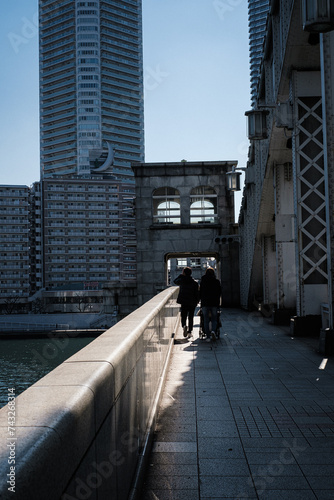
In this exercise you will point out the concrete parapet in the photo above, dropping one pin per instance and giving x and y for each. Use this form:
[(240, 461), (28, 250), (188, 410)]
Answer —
[(82, 430)]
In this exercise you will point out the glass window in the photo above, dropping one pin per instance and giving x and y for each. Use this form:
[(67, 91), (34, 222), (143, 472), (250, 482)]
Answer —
[(166, 206), (203, 205)]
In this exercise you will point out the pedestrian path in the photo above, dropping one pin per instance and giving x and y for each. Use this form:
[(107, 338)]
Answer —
[(250, 416)]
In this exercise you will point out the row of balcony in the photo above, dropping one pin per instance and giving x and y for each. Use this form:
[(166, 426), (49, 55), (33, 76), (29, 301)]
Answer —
[(77, 251), (17, 257), (81, 230), (58, 105), (50, 53), (84, 189), (14, 220), (81, 241), (82, 216), (81, 207), (15, 287), (86, 220), (13, 275), (84, 197), (50, 97), (79, 236), (14, 239), (13, 202), (114, 9), (87, 260), (9, 266), (76, 278)]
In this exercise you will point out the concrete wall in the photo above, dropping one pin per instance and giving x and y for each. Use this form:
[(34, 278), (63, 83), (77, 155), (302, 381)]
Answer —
[(82, 430)]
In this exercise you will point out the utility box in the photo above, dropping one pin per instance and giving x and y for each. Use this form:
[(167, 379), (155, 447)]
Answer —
[(326, 341)]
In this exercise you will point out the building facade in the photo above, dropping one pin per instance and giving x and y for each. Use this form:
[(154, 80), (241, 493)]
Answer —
[(88, 232), (36, 240), (15, 217), (91, 87), (66, 245)]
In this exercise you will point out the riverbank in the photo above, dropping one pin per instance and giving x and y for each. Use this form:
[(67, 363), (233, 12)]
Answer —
[(43, 333), (71, 323)]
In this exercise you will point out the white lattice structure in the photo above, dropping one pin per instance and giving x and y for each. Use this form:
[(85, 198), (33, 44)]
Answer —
[(310, 199)]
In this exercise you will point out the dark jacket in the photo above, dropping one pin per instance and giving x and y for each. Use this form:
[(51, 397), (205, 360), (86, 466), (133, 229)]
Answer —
[(210, 291), (188, 293)]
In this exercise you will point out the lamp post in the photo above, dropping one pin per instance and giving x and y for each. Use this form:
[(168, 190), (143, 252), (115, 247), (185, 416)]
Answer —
[(257, 124), (318, 15), (233, 178)]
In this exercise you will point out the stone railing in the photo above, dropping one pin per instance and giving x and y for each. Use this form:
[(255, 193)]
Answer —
[(83, 431)]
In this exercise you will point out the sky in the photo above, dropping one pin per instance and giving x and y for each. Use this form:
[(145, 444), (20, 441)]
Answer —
[(196, 84)]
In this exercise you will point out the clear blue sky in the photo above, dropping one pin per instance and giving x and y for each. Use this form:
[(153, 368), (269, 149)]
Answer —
[(196, 74)]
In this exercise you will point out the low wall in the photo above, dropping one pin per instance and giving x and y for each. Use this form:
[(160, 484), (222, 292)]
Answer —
[(82, 431), (37, 322)]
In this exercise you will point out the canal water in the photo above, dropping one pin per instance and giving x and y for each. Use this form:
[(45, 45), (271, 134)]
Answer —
[(24, 361)]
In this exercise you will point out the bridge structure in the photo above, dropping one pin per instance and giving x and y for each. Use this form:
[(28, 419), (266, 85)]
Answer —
[(84, 430), (286, 217), (184, 209)]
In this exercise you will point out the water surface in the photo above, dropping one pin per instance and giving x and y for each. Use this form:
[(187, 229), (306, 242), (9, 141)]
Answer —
[(24, 361)]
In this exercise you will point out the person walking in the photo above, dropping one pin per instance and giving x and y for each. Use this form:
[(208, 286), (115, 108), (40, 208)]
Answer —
[(210, 296), (188, 299)]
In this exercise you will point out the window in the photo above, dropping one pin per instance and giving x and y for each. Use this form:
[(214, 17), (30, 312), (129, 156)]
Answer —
[(203, 205), (166, 206)]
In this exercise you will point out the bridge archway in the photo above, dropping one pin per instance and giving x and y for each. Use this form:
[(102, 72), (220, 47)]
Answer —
[(198, 262), (185, 210)]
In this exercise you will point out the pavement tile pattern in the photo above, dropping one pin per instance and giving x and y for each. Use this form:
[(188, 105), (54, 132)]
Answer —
[(250, 416)]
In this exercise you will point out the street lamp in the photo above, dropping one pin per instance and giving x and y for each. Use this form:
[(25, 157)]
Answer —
[(318, 15), (233, 178), (257, 124)]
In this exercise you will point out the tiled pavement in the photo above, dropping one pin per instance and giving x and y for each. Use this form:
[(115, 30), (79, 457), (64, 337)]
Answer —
[(249, 416)]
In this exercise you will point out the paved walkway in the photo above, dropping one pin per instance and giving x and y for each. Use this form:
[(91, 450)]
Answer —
[(250, 416)]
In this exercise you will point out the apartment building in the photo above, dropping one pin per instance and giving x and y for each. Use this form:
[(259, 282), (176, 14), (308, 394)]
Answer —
[(91, 87), (14, 247), (88, 232), (65, 239)]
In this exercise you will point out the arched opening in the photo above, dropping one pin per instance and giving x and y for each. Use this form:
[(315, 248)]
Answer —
[(198, 262), (166, 206), (203, 205)]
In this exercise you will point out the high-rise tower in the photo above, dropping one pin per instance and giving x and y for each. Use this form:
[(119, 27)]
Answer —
[(257, 20), (91, 87)]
